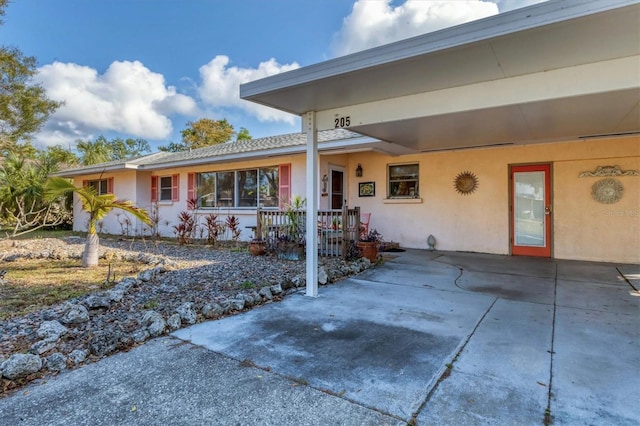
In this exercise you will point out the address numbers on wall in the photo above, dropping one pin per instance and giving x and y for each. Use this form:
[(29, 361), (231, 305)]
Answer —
[(340, 122)]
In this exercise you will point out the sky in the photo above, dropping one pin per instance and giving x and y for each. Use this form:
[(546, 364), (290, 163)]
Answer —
[(145, 68)]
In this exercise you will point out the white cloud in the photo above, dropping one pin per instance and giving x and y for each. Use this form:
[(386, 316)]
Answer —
[(507, 5), (128, 98), (373, 23), (220, 87)]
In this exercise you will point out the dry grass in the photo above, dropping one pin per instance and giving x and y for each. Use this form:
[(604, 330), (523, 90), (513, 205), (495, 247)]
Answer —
[(33, 284)]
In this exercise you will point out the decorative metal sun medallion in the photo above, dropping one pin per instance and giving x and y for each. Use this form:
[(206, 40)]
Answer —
[(465, 183), (607, 191)]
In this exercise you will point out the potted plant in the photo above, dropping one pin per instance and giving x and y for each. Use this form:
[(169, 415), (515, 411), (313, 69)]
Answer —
[(291, 239), (369, 244)]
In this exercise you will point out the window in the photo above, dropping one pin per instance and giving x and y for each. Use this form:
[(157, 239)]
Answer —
[(165, 188), (403, 181), (102, 186), (269, 186), (247, 188), (225, 189), (240, 188), (206, 189)]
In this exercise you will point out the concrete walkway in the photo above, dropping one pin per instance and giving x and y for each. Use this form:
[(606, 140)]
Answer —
[(437, 338)]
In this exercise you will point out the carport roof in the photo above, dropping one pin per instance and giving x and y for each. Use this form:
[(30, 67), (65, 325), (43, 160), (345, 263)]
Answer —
[(557, 70)]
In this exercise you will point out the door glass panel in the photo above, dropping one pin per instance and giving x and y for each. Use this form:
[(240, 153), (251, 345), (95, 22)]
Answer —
[(529, 229), (337, 188)]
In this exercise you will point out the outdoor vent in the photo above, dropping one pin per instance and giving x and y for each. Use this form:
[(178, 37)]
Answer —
[(608, 135), (467, 147)]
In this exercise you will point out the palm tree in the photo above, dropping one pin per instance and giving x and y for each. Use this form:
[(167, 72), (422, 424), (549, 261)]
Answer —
[(98, 206), (94, 152)]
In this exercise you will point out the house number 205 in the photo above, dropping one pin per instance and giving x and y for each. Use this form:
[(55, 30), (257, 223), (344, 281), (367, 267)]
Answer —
[(342, 122)]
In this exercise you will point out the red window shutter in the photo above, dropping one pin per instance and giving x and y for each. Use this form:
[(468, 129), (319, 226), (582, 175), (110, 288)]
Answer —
[(284, 177), (175, 187), (85, 183), (154, 189), (191, 191), (110, 185)]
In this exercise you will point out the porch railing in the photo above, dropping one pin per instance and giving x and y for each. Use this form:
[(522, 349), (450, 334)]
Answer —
[(335, 228)]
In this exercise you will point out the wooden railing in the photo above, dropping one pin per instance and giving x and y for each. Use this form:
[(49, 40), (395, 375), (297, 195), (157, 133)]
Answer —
[(335, 228)]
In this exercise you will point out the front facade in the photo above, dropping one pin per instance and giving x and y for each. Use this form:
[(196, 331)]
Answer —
[(583, 225), (518, 135)]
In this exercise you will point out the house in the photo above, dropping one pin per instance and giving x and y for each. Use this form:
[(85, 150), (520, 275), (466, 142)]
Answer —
[(516, 134), (226, 179)]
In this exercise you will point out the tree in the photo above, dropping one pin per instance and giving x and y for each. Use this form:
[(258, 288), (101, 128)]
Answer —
[(243, 135), (97, 206), (24, 106), (24, 149), (102, 150), (95, 152), (122, 149), (58, 157), (174, 147), (22, 205), (206, 132)]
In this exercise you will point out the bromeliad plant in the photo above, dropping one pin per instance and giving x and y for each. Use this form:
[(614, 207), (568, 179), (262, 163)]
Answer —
[(97, 206)]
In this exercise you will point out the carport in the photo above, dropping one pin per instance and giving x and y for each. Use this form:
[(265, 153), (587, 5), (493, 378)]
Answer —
[(551, 72)]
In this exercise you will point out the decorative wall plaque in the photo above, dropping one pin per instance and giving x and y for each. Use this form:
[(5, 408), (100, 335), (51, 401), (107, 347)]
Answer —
[(607, 191), (465, 183), (604, 171)]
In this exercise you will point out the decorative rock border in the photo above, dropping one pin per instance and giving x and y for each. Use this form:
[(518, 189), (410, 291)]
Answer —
[(85, 329)]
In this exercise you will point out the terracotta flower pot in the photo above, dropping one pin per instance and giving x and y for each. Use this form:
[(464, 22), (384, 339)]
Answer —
[(257, 248), (368, 250)]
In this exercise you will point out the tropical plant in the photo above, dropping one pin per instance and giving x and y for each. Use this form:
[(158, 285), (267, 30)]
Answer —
[(214, 228), (95, 152), (372, 237), (102, 150), (97, 206), (22, 205), (233, 225), (185, 228), (294, 230)]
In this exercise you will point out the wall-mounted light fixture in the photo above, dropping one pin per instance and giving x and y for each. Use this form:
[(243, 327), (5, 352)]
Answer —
[(325, 180), (359, 170)]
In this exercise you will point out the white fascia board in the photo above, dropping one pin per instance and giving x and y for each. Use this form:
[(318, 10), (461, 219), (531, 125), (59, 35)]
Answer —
[(600, 77), (483, 29), (90, 170)]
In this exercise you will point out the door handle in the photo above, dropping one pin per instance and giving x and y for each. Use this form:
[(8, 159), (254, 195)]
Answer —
[(548, 209)]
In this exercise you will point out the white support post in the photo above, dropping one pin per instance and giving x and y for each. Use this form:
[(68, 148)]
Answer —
[(309, 120)]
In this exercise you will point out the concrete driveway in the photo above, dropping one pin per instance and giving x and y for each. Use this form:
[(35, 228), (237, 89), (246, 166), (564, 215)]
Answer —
[(437, 338)]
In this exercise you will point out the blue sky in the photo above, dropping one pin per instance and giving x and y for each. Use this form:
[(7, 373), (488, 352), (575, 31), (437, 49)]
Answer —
[(143, 68)]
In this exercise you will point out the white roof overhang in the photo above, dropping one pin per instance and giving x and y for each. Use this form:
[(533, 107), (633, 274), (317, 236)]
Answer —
[(96, 169), (554, 71)]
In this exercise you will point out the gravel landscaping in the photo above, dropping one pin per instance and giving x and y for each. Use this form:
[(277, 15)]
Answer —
[(177, 286)]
